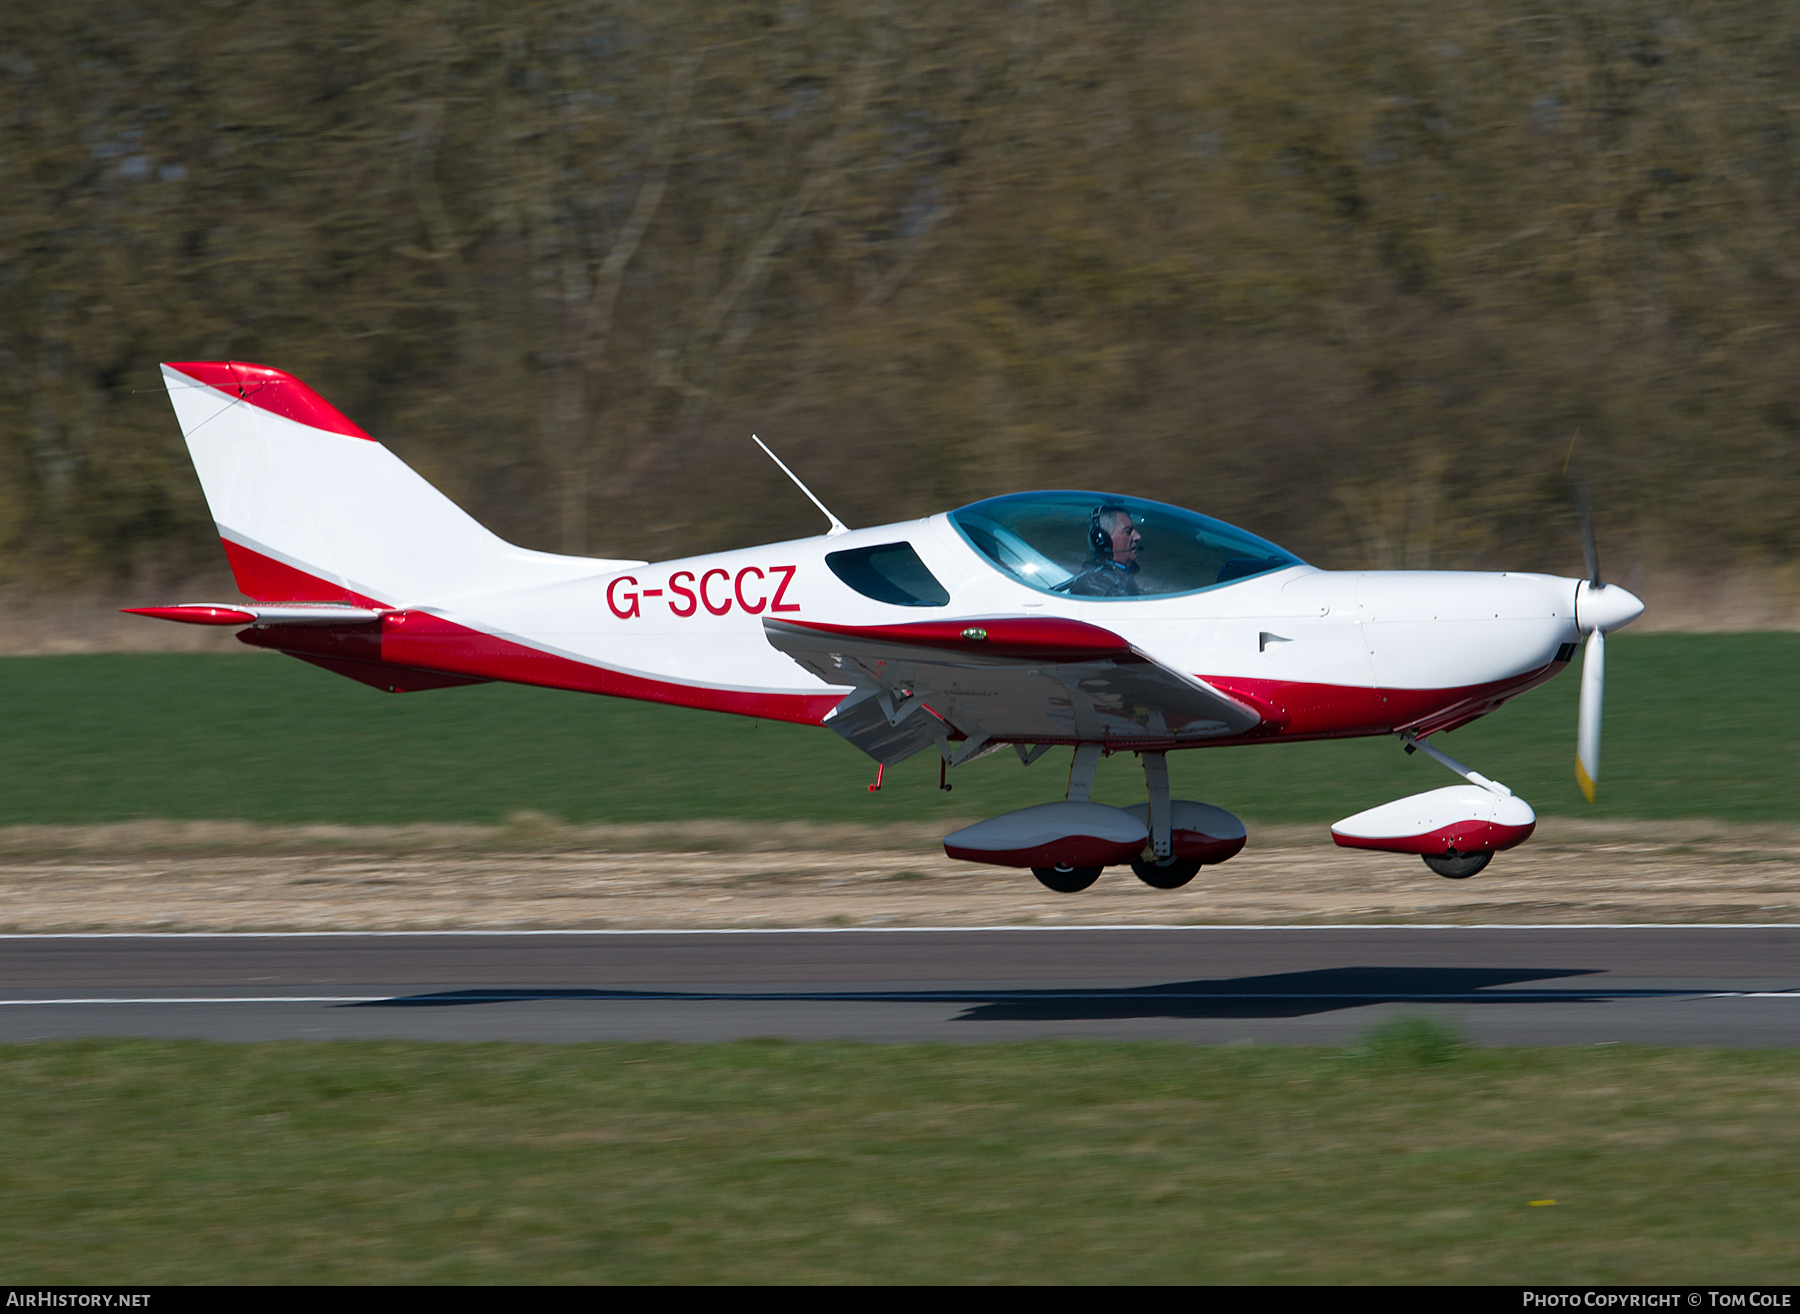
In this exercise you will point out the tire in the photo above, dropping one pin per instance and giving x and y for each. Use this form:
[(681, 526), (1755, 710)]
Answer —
[(1169, 874), (1067, 880), (1458, 866)]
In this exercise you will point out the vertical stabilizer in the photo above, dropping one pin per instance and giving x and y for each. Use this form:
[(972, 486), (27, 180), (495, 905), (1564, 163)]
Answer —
[(311, 508)]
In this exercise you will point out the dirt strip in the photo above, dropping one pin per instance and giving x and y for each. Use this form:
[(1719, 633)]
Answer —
[(208, 876)]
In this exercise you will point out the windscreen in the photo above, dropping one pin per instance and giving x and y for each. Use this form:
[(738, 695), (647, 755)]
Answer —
[(1101, 545)]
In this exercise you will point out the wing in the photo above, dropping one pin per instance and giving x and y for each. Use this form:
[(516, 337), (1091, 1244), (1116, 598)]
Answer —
[(1017, 680)]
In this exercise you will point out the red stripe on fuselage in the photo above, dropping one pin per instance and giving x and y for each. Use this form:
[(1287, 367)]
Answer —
[(1296, 711), (412, 642), (421, 640)]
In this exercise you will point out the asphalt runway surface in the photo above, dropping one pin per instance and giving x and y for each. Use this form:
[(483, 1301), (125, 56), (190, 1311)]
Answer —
[(1652, 985)]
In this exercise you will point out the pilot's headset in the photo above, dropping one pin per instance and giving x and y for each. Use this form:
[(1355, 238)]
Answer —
[(1098, 538)]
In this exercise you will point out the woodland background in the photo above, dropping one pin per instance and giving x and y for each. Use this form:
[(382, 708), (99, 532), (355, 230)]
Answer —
[(1347, 273)]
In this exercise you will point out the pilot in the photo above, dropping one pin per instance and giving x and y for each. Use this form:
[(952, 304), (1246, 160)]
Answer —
[(1112, 571)]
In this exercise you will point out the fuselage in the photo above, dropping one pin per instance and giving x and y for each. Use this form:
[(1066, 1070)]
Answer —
[(1320, 654), (407, 591)]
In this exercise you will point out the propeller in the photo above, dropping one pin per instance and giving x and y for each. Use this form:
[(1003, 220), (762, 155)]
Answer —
[(1587, 718), (1599, 607)]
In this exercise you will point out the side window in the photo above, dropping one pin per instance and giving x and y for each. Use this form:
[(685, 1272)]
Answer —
[(890, 573)]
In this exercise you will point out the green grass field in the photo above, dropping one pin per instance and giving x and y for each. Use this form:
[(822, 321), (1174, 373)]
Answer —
[(1697, 725), (1408, 1161)]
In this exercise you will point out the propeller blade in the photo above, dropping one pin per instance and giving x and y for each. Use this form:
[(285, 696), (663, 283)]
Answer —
[(1587, 719)]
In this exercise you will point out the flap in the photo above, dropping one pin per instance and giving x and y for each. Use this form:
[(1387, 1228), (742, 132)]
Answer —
[(1026, 680)]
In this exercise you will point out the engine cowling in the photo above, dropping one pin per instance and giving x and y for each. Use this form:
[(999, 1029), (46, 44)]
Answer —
[(1459, 818), (1052, 835), (1198, 832)]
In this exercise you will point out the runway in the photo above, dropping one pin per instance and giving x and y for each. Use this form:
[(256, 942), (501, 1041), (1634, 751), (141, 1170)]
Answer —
[(1652, 985)]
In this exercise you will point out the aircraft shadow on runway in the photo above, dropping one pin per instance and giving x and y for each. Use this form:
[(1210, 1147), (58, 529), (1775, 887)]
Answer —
[(1283, 994)]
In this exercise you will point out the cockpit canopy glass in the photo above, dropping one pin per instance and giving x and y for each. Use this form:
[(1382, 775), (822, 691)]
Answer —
[(1101, 545)]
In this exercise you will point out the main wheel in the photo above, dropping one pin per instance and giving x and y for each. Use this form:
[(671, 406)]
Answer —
[(1166, 873), (1067, 880), (1458, 866)]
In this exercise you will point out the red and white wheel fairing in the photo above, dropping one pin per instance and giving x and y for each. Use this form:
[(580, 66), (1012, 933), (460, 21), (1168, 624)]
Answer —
[(1463, 818), (1063, 834), (1198, 832)]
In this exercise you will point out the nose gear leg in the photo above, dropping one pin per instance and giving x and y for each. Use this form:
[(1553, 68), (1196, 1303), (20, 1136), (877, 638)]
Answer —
[(1415, 743)]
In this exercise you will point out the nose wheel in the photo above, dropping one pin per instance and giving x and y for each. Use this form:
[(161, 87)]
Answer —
[(1067, 880), (1458, 866)]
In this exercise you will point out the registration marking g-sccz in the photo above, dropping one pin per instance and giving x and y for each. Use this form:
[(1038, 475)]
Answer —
[(715, 589)]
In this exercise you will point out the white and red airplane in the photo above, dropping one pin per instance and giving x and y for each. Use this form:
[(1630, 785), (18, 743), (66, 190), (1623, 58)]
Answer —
[(1087, 620)]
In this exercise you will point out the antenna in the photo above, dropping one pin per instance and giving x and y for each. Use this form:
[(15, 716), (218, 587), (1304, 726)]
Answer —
[(837, 526)]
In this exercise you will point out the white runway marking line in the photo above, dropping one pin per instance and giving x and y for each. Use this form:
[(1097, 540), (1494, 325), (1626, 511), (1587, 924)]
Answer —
[(911, 930), (222, 999), (1756, 994), (920, 997)]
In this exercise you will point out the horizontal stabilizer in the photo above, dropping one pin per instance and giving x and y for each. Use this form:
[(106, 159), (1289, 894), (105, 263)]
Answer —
[(232, 613)]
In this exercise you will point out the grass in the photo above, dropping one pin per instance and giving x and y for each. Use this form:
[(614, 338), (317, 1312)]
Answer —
[(1412, 1040), (1402, 1160), (1697, 726)]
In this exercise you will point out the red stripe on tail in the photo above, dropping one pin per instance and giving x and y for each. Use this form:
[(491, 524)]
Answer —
[(264, 579), (276, 391)]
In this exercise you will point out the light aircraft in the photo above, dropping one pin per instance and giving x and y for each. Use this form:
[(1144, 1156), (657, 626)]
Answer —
[(1085, 620)]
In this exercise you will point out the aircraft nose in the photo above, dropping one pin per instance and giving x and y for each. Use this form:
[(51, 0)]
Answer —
[(1606, 608)]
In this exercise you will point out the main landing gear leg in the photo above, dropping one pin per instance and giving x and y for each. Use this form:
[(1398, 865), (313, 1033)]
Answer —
[(1070, 880), (1161, 868), (1081, 772), (1156, 779)]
